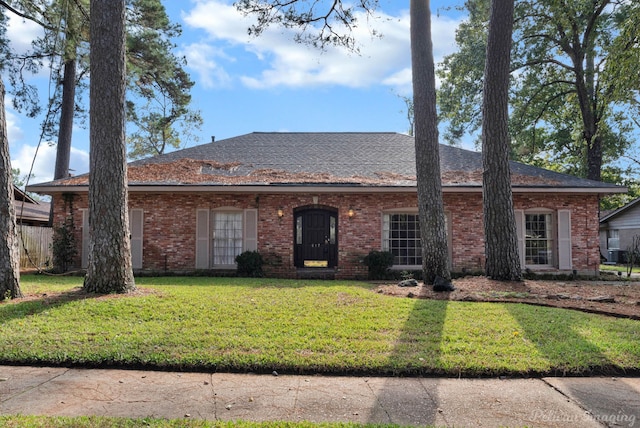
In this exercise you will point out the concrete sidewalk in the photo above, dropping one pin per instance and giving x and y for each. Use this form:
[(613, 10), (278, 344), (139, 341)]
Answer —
[(547, 402)]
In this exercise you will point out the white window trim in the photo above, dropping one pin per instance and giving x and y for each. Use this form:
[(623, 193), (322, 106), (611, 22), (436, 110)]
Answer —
[(204, 235), (561, 238), (553, 238), (224, 210), (414, 211)]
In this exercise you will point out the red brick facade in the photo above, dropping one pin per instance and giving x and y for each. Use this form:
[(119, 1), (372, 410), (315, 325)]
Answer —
[(169, 225)]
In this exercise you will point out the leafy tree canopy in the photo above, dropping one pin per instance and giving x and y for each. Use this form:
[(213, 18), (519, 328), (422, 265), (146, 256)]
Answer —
[(158, 81), (154, 71), (574, 92)]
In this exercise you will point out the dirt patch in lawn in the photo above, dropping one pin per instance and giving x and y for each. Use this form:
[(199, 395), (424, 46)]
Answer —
[(78, 293), (614, 298)]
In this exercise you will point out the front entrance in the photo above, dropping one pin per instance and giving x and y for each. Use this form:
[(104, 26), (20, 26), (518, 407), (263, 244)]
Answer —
[(316, 238)]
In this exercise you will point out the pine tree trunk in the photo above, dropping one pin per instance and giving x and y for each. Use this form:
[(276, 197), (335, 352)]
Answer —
[(435, 253), (501, 240), (65, 130), (9, 246), (67, 109), (68, 103), (109, 269)]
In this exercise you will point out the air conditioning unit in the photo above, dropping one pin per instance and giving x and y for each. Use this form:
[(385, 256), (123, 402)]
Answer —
[(617, 256)]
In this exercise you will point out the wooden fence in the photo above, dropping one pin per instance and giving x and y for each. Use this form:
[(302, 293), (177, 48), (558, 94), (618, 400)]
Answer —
[(35, 246)]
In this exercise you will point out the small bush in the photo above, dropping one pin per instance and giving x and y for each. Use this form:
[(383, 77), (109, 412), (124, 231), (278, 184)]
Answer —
[(379, 263), (250, 264), (63, 246)]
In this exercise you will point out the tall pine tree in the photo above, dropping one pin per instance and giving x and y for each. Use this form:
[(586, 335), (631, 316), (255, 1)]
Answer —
[(110, 268), (501, 240)]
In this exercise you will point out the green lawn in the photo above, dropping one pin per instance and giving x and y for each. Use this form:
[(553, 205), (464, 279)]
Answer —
[(618, 268), (261, 325)]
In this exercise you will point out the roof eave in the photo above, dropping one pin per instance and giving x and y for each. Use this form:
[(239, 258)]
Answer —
[(319, 187), (620, 210)]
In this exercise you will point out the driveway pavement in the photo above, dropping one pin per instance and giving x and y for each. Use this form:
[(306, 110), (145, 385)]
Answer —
[(546, 402)]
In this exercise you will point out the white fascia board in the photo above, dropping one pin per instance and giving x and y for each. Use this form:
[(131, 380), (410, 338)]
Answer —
[(321, 189)]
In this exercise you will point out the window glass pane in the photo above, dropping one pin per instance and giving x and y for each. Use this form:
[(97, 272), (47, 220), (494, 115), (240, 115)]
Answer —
[(613, 239), (332, 230), (401, 233), (538, 239), (299, 230), (227, 237)]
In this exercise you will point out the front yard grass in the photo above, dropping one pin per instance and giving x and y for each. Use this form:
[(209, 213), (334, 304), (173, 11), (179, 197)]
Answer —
[(262, 325), (619, 268)]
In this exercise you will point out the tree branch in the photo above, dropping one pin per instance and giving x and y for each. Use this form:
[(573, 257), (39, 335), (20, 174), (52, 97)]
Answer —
[(25, 16), (544, 61), (285, 14)]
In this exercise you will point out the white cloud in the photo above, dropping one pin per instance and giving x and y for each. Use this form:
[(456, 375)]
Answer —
[(45, 161), (21, 32), (220, 20), (23, 153), (384, 60), (14, 132), (201, 58)]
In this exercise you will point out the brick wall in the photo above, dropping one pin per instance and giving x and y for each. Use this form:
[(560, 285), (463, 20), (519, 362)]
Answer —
[(170, 225)]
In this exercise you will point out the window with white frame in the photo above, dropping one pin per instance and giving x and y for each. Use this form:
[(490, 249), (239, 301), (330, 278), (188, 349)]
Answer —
[(227, 237), (401, 237), (222, 234), (613, 239), (539, 243)]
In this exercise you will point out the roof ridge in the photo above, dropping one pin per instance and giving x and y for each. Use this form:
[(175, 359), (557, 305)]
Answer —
[(328, 132)]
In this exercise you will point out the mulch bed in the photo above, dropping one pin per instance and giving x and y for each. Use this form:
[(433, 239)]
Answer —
[(613, 298)]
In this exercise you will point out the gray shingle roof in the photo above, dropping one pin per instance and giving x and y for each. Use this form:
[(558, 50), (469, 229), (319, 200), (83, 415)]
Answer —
[(381, 159), (339, 154), (361, 154)]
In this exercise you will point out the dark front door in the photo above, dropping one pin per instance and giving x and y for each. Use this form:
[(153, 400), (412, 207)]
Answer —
[(316, 238)]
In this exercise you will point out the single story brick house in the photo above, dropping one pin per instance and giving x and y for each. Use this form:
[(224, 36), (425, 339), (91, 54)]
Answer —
[(322, 201)]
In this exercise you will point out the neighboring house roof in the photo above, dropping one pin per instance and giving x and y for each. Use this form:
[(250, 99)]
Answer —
[(359, 159), (28, 210), (33, 213), (610, 215)]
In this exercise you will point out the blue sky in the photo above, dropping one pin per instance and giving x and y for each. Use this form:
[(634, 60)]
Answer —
[(269, 83)]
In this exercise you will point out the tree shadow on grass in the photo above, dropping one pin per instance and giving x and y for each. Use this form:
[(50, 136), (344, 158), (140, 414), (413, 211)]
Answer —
[(418, 346), (573, 357), (35, 304), (558, 338), (559, 342), (30, 305)]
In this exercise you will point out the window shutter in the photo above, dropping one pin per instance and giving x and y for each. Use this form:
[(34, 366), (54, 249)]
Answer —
[(250, 230), (202, 239), (564, 240), (386, 221), (519, 215), (448, 223), (85, 239), (136, 226)]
